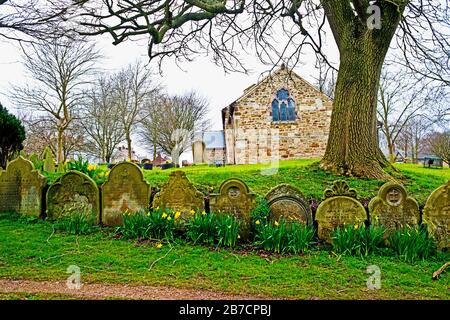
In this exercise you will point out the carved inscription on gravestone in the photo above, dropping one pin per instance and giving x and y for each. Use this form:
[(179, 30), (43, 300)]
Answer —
[(393, 209), (340, 208), (73, 193), (21, 188), (125, 191), (234, 198), (287, 202), (436, 215), (179, 194)]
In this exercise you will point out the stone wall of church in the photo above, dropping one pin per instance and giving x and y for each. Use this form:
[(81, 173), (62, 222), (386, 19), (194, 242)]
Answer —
[(252, 136)]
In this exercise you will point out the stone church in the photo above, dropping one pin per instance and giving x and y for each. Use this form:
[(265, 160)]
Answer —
[(281, 117)]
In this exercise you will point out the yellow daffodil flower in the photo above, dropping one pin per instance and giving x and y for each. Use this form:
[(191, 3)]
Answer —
[(238, 236), (91, 167), (159, 246), (257, 222), (164, 215), (277, 224), (203, 212), (192, 211), (356, 226), (177, 215), (169, 218)]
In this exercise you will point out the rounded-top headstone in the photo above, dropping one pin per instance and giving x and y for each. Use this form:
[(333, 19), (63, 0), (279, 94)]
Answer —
[(393, 209), (125, 191), (288, 203), (436, 215), (73, 193)]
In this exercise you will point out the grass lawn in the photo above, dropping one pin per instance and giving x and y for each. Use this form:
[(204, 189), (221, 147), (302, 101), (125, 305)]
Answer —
[(305, 175), (32, 251)]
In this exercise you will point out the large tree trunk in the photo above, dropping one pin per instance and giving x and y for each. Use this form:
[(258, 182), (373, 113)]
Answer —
[(352, 147), (130, 154)]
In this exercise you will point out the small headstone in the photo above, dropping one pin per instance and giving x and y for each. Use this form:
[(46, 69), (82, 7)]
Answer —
[(179, 194), (73, 193), (37, 163), (340, 208), (234, 198), (436, 215), (21, 188), (125, 191), (198, 151), (288, 203), (393, 209), (49, 163)]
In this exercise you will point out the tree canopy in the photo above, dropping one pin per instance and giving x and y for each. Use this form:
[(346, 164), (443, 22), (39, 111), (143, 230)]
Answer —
[(12, 135)]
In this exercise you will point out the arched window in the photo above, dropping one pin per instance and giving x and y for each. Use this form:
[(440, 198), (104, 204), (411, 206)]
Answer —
[(283, 107), (275, 110)]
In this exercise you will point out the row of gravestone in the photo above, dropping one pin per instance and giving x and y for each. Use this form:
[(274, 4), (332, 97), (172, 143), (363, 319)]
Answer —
[(21, 190)]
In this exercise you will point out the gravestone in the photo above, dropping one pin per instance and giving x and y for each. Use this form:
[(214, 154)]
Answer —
[(436, 215), (179, 194), (288, 203), (49, 163), (37, 163), (125, 191), (393, 209), (73, 193), (340, 208), (234, 198), (198, 152), (21, 188)]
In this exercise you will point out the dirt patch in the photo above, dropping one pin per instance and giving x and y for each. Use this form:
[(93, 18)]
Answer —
[(121, 291)]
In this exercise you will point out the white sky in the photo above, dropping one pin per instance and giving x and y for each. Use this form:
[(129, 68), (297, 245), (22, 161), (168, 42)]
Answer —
[(200, 75)]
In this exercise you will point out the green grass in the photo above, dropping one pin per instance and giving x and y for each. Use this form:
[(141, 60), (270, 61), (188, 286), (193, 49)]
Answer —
[(32, 250)]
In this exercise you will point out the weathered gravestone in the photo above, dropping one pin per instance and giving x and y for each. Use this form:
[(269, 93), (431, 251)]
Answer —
[(234, 198), (73, 193), (436, 215), (21, 188), (340, 208), (198, 152), (179, 194), (287, 202), (393, 209), (49, 163), (125, 191)]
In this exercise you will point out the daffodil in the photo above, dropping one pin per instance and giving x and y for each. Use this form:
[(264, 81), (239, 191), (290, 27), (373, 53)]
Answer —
[(148, 214), (159, 246), (356, 226), (177, 215), (203, 212), (164, 215), (169, 218), (238, 236), (192, 211), (157, 208), (91, 167), (257, 222), (277, 224)]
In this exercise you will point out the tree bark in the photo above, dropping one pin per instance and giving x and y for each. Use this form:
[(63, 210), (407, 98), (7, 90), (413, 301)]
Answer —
[(352, 147), (59, 152), (128, 138)]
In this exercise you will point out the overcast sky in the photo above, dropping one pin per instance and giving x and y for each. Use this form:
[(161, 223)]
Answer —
[(200, 75)]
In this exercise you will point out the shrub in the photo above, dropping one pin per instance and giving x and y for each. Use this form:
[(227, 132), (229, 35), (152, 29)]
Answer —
[(76, 223), (412, 244), (283, 237), (152, 225), (12, 134), (357, 240)]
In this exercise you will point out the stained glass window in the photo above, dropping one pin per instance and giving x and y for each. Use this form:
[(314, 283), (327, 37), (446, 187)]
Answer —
[(283, 107)]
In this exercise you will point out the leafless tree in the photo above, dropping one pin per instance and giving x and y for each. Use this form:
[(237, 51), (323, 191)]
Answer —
[(101, 120), (364, 31), (59, 70), (439, 144), (171, 122), (133, 88)]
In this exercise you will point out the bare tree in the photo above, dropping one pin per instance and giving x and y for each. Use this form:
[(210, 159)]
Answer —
[(439, 143), (133, 88), (102, 120), (363, 31), (170, 123), (59, 70)]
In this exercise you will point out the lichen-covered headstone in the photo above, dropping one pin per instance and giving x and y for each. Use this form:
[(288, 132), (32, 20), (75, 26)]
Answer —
[(393, 209), (49, 163), (234, 198), (340, 208), (73, 193), (21, 188), (37, 163), (179, 194), (436, 215), (125, 191), (288, 203)]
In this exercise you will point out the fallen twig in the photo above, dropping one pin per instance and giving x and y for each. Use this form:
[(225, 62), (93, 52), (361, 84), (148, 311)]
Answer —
[(437, 273)]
